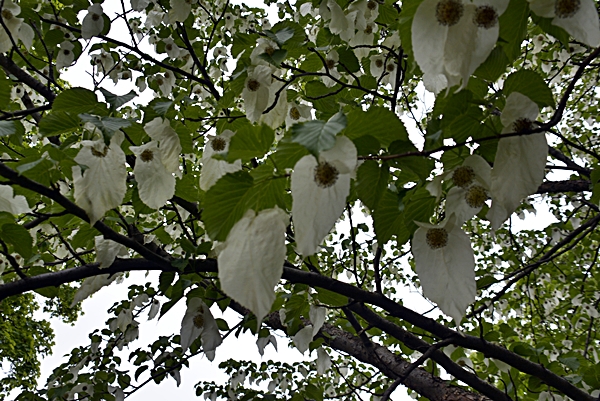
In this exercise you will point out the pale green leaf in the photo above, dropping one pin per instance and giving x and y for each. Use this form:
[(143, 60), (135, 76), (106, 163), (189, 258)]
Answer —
[(317, 136)]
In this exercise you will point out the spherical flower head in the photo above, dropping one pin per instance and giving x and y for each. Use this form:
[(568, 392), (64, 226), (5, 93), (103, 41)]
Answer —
[(566, 8), (445, 264), (449, 12), (485, 17), (463, 176), (476, 196), (319, 192)]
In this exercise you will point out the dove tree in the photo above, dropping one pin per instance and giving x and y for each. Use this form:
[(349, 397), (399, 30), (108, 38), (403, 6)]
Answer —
[(309, 165)]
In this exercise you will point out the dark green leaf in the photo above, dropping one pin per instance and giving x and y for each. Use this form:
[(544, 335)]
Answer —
[(19, 238), (250, 141), (57, 123), (76, 101), (388, 219), (371, 183), (377, 122), (530, 84), (117, 101)]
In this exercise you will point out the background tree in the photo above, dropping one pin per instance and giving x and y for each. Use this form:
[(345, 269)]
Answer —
[(264, 165)]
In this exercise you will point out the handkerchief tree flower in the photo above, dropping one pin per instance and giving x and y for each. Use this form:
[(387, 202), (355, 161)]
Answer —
[(338, 177)]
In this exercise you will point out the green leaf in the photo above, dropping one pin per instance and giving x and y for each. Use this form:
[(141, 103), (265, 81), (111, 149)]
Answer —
[(331, 298), (316, 135), (530, 84), (250, 141), (288, 153), (494, 66), (19, 238), (378, 122), (8, 128), (275, 58), (419, 207), (227, 201), (388, 219), (108, 125), (186, 188), (76, 101), (513, 28), (421, 166), (281, 36), (5, 85), (371, 183), (225, 204), (59, 122), (347, 61), (117, 101)]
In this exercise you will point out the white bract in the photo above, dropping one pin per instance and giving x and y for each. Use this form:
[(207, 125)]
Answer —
[(472, 182), (14, 204), (251, 261), (520, 160), (93, 22), (107, 251), (156, 185), (297, 113), (65, 56), (100, 182), (319, 192), (452, 38), (168, 141), (256, 91), (303, 338), (212, 168), (15, 27), (199, 321), (578, 17), (179, 10), (445, 264), (91, 285)]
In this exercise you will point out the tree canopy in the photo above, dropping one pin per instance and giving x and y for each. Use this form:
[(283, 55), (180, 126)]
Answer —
[(305, 164)]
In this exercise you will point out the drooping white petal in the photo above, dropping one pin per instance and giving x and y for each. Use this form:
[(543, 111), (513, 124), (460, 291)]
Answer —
[(11, 203), (543, 8), (517, 106), (460, 45), (262, 342), (446, 272), (428, 38), (155, 184), (26, 35), (179, 10), (323, 361), (455, 203), (303, 338), (584, 25), (481, 168), (198, 320), (251, 262), (275, 117), (93, 22), (518, 172), (91, 285), (213, 169), (256, 92), (211, 338), (317, 205), (160, 130), (520, 161), (317, 317), (102, 185), (107, 250), (338, 22)]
